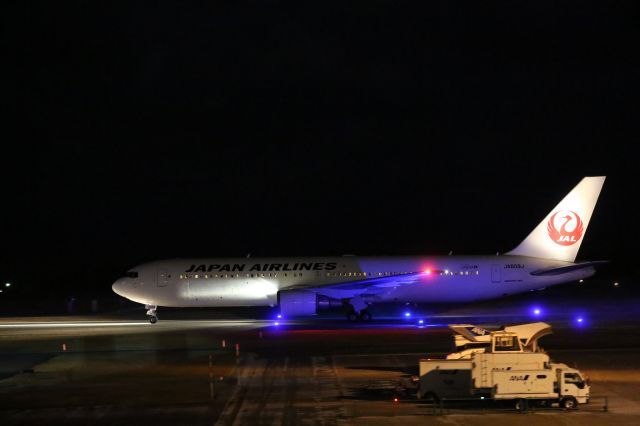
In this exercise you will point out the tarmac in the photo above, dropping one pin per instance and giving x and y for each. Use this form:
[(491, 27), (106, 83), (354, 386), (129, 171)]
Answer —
[(237, 371)]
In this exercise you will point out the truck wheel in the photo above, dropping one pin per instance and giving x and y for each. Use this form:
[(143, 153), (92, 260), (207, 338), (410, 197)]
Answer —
[(569, 403), (520, 404)]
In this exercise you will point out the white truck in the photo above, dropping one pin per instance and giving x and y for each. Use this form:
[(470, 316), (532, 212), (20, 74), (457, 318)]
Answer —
[(504, 370)]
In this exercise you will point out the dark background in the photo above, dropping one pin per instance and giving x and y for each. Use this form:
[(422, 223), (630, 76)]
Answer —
[(138, 131)]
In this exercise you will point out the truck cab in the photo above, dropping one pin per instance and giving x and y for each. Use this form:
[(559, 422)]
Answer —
[(572, 385)]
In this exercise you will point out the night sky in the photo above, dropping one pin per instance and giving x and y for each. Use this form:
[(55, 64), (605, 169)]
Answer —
[(137, 131)]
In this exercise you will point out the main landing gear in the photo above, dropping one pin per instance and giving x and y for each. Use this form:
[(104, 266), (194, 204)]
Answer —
[(364, 315), (357, 309), (151, 313)]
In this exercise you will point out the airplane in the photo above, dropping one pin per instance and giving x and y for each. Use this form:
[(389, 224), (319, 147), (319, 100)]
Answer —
[(306, 285)]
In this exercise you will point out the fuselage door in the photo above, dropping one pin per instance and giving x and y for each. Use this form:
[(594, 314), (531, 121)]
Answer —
[(495, 273), (162, 278)]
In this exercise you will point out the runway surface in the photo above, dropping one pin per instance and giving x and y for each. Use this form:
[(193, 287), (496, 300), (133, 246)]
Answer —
[(16, 325), (70, 370)]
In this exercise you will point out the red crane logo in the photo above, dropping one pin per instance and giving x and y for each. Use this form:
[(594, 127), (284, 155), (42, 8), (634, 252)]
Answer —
[(561, 235)]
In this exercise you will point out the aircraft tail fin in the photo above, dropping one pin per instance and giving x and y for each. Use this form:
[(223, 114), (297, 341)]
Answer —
[(561, 232)]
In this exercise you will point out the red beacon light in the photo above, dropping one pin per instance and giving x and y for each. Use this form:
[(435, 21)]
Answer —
[(427, 271)]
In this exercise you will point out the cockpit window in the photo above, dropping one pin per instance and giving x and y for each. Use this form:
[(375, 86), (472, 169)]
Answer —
[(132, 274)]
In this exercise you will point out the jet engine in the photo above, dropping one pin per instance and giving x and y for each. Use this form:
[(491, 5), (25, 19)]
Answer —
[(295, 303)]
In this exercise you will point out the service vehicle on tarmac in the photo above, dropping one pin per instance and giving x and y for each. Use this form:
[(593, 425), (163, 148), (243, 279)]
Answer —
[(502, 365)]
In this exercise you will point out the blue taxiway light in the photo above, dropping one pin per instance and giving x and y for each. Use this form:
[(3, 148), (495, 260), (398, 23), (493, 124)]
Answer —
[(580, 321), (536, 311)]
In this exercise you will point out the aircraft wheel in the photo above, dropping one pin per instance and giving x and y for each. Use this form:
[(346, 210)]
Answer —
[(153, 319), (365, 315), (352, 316)]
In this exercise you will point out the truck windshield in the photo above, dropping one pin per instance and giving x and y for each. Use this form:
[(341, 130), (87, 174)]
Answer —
[(574, 378)]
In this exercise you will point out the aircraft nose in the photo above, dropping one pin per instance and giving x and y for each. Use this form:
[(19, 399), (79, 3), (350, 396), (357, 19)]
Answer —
[(118, 288)]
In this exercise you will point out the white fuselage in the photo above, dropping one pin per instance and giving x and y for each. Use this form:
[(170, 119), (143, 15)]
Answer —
[(257, 281)]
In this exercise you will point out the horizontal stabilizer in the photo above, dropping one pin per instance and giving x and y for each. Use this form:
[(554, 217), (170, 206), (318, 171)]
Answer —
[(570, 268)]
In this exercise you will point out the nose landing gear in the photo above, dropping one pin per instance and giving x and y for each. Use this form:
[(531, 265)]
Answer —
[(151, 313)]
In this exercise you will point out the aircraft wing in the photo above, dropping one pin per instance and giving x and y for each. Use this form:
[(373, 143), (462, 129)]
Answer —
[(367, 285)]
